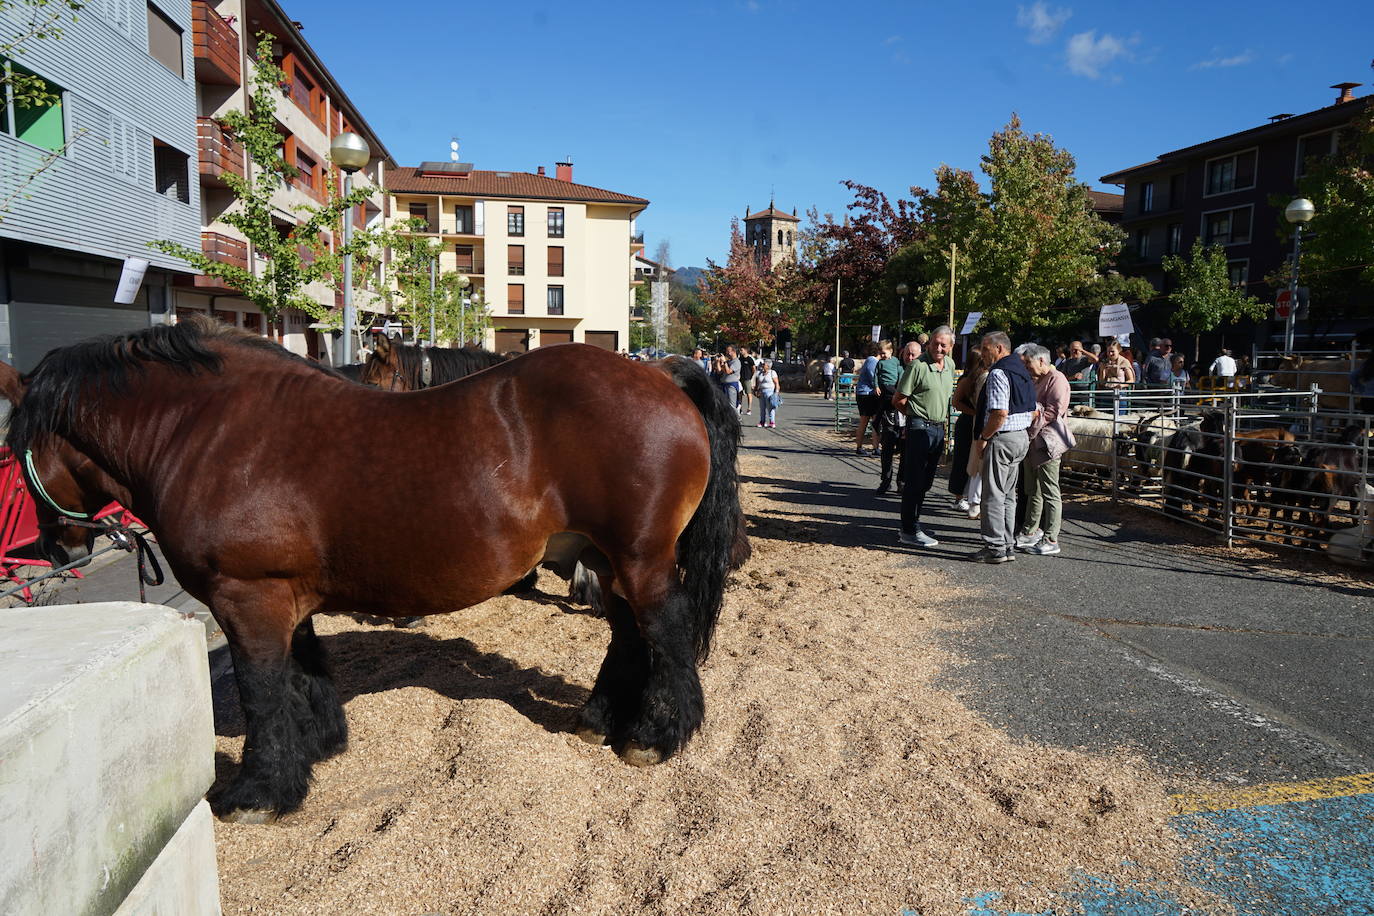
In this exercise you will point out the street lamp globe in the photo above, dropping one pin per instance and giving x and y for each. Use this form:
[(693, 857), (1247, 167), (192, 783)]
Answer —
[(349, 151), (1300, 210), (902, 289)]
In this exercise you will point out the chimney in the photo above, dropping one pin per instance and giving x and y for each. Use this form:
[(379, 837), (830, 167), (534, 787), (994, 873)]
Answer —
[(1347, 92), (564, 170), (541, 171)]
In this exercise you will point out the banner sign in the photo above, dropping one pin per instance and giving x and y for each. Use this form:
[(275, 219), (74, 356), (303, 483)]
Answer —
[(1114, 321), (877, 333), (130, 279), (971, 322)]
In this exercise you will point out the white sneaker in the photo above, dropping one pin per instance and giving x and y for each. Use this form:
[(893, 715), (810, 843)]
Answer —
[(961, 505), (1024, 541), (975, 510), (1044, 548), (919, 539)]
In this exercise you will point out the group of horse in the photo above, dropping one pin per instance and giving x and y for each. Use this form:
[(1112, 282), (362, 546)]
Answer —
[(1278, 484), (278, 489)]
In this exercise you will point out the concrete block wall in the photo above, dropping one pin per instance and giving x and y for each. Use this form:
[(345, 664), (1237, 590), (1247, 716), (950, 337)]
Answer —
[(106, 751)]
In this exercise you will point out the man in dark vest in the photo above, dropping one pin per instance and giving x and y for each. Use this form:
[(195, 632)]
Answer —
[(1005, 409)]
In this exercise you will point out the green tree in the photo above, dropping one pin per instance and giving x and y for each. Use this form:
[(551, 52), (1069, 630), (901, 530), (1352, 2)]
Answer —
[(1031, 241), (744, 300), (292, 257), (1204, 296)]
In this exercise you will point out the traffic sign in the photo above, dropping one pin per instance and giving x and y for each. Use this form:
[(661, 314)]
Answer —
[(1284, 308)]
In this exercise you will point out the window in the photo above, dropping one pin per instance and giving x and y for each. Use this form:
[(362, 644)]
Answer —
[(1239, 272), (515, 298), (555, 260), (1173, 239), (465, 256), (302, 89), (1147, 197), (421, 213), (171, 172), (308, 167), (555, 222), (555, 300), (1177, 184), (780, 242), (515, 221), (515, 259), (789, 238), (1231, 173), (41, 121), (1142, 243), (164, 40), (462, 219), (1314, 146), (1226, 227)]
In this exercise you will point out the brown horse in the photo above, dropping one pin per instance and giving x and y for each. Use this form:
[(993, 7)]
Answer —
[(257, 512), (401, 367)]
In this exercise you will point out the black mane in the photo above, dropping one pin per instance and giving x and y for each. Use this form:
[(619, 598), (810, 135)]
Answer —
[(446, 364), (54, 397)]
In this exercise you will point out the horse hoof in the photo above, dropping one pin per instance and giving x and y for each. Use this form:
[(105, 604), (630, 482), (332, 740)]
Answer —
[(591, 736), (249, 816), (636, 755), (407, 623)]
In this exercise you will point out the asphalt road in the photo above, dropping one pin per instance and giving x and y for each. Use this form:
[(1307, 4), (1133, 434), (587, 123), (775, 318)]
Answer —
[(1242, 672)]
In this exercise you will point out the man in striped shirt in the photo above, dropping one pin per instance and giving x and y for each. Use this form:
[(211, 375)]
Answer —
[(1005, 410)]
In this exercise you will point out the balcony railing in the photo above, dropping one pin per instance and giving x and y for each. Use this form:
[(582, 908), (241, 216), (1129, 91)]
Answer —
[(473, 266), (226, 250), (218, 153), (217, 46)]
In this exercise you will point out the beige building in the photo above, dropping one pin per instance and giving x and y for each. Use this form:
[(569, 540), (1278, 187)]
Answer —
[(552, 259), (311, 110), (771, 234)]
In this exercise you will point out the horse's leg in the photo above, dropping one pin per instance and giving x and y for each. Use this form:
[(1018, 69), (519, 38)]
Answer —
[(326, 732), (585, 588), (275, 693), (614, 702), (672, 706)]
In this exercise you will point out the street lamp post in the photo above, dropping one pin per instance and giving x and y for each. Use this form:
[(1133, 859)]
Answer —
[(1298, 212), (350, 152), (902, 290)]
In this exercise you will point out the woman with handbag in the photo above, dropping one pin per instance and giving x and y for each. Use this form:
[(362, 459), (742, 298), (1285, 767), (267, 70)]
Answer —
[(768, 390)]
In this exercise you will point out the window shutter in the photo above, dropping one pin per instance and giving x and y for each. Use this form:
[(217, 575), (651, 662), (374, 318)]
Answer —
[(480, 209)]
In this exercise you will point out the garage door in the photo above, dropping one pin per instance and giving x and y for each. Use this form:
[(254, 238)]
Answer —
[(51, 310), (606, 340), (549, 338), (507, 341)]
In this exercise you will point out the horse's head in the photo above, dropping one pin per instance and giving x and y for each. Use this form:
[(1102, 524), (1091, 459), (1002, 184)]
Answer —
[(68, 488), (383, 367)]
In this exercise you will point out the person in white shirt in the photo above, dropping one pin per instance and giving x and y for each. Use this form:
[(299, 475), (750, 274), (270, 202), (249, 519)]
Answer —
[(1224, 366)]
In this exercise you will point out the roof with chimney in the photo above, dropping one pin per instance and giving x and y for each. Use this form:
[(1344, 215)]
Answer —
[(771, 213), (1346, 107), (461, 179)]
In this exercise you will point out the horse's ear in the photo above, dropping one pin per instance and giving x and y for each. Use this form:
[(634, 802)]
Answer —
[(381, 345), (11, 387)]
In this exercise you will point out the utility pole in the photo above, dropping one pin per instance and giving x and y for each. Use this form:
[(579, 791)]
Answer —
[(837, 318), (433, 266), (953, 256)]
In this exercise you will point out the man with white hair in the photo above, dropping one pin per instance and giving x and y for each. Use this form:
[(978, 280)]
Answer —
[(1049, 438), (923, 393), (1006, 409)]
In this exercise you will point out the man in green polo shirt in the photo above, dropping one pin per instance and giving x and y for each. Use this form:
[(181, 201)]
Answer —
[(923, 393)]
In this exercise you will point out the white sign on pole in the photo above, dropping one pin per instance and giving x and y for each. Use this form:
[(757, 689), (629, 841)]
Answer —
[(971, 322), (130, 279), (1114, 320), (877, 333)]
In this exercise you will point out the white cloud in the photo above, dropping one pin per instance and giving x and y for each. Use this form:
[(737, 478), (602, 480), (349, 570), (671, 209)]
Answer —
[(1236, 60), (1040, 21), (892, 39), (1088, 55)]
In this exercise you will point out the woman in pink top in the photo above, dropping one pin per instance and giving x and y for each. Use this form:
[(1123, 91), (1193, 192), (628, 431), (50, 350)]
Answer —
[(1049, 440)]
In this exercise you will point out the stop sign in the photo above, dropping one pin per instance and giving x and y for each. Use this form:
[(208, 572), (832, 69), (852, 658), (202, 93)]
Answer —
[(1285, 304)]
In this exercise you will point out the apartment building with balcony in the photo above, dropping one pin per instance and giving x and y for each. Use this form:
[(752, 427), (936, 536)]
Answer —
[(553, 259), (1219, 190), (91, 179), (311, 110)]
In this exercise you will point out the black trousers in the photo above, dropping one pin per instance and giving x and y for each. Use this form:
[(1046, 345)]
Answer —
[(890, 441), (921, 453)]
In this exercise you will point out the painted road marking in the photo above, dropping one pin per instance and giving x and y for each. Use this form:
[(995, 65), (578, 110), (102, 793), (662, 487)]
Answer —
[(1277, 793), (1291, 848)]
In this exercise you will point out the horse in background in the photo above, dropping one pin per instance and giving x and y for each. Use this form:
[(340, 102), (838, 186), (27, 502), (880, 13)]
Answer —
[(403, 367), (154, 418)]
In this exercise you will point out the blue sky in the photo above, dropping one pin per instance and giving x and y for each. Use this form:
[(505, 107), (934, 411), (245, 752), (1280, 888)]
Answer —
[(702, 108)]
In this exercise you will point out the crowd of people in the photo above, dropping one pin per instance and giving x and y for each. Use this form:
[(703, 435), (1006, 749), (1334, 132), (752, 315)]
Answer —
[(1126, 367), (745, 380)]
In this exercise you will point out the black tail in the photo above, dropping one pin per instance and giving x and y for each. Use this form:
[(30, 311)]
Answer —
[(715, 535)]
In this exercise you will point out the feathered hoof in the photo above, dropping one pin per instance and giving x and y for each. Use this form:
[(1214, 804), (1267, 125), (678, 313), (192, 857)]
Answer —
[(591, 735), (636, 755), (249, 816)]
